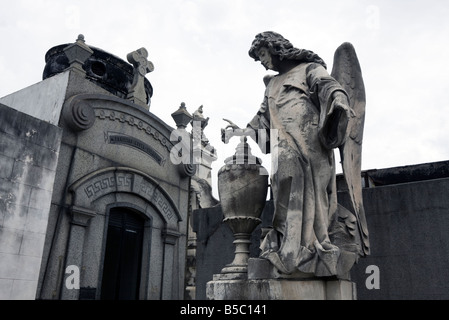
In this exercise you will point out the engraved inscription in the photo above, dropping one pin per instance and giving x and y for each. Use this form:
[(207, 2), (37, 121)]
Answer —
[(122, 139)]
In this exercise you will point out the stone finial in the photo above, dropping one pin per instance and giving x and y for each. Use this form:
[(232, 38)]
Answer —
[(182, 117), (199, 123), (142, 66), (243, 154), (78, 53), (198, 116)]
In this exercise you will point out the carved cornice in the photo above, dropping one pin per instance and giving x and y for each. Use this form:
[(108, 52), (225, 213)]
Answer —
[(103, 114), (80, 112), (81, 216), (170, 236)]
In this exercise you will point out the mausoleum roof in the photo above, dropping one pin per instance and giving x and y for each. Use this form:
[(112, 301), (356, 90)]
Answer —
[(106, 70)]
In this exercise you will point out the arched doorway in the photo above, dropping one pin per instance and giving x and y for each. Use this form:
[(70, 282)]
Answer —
[(134, 194), (123, 255)]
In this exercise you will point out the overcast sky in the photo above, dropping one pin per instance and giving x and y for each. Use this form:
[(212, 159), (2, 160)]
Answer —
[(200, 53)]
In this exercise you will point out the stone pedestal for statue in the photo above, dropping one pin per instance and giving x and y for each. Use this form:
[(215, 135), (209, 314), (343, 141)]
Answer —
[(264, 282)]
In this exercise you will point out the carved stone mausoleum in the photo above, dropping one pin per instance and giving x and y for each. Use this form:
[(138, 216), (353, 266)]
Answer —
[(89, 195)]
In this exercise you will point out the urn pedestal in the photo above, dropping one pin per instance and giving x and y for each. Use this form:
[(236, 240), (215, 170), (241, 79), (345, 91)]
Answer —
[(242, 188)]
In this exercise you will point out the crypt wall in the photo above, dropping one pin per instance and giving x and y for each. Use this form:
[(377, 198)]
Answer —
[(29, 149)]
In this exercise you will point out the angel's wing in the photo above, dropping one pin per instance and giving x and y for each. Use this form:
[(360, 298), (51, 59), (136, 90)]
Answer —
[(346, 70)]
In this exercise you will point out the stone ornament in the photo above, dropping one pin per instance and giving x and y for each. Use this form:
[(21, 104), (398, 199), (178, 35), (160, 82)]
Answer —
[(182, 117), (79, 115), (198, 118), (78, 53), (242, 191), (142, 66), (306, 114)]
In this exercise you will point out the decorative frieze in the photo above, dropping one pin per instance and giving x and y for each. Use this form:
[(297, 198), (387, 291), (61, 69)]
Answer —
[(113, 115), (110, 180), (103, 185)]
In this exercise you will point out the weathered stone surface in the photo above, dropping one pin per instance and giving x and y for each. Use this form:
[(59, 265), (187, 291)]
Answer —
[(29, 150), (43, 100), (275, 289), (408, 223), (259, 269)]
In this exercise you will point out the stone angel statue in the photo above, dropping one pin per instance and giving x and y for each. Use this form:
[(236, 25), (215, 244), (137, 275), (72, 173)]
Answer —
[(306, 114)]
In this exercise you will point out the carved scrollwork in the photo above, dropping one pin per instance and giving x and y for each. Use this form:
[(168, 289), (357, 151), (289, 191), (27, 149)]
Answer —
[(187, 170), (79, 115)]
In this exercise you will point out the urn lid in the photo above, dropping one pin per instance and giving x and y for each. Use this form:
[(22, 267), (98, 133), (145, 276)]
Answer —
[(243, 154)]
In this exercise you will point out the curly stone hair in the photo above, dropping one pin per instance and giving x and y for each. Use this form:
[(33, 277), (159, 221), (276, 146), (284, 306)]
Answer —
[(279, 46)]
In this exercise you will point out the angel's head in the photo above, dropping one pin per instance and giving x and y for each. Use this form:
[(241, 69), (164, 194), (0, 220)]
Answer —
[(281, 48)]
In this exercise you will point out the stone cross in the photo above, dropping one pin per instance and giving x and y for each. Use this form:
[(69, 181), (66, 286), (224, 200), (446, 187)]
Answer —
[(142, 66)]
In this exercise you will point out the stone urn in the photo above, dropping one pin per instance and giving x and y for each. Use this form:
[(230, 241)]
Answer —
[(242, 188)]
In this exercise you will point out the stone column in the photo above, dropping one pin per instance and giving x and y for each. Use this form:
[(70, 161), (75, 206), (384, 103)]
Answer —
[(170, 239), (74, 254)]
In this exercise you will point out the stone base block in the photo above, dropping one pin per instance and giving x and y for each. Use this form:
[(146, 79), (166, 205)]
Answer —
[(263, 269), (281, 289)]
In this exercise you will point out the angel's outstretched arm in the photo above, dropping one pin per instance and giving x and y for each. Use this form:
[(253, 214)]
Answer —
[(233, 130)]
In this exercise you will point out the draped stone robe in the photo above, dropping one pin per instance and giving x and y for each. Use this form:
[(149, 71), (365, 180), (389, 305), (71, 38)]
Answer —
[(302, 134)]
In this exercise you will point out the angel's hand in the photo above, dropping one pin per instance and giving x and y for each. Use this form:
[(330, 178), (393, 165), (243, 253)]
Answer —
[(231, 125), (231, 130), (341, 103)]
